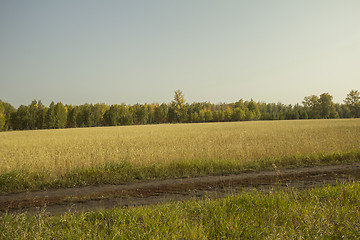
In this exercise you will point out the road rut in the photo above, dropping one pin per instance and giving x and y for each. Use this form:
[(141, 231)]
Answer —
[(90, 198)]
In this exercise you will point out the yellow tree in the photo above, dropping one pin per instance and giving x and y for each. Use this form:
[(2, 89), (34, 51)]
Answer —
[(179, 100), (178, 110)]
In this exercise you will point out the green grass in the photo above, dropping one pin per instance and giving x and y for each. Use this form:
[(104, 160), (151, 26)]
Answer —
[(330, 212), (126, 172)]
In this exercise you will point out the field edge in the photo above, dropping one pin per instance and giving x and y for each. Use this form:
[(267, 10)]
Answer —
[(126, 172)]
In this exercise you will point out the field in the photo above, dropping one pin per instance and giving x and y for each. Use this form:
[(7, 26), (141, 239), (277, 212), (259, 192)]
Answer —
[(180, 162), (60, 151), (210, 147)]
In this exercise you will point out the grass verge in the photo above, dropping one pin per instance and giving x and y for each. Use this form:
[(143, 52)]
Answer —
[(126, 172), (330, 212)]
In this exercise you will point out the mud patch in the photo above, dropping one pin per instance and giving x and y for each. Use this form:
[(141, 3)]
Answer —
[(58, 201)]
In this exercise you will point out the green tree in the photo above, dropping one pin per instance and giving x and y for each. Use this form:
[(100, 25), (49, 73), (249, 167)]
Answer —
[(249, 115), (194, 117), (83, 118), (60, 115), (254, 109), (227, 113), (201, 116), (94, 114), (221, 115), (238, 114), (311, 104), (32, 114), (151, 111), (36, 115), (101, 110), (126, 115), (40, 115), (208, 115), (119, 115), (93, 118), (9, 110), (20, 118), (50, 117), (343, 110), (2, 116), (161, 113), (71, 119), (326, 106), (216, 117), (352, 101), (112, 117), (141, 113)]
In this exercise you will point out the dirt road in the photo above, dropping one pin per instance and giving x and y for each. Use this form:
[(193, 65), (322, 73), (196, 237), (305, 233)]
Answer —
[(90, 198)]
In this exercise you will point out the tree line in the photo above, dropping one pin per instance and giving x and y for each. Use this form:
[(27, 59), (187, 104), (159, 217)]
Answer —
[(57, 115)]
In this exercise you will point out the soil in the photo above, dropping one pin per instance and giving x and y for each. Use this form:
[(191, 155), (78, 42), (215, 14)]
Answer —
[(59, 201)]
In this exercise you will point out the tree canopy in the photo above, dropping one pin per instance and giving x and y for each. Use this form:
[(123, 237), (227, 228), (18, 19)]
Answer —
[(57, 115)]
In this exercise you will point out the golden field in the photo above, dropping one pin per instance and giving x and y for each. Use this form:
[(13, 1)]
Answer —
[(60, 151)]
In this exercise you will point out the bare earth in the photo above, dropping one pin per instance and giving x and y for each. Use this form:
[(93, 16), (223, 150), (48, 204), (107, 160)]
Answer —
[(58, 201)]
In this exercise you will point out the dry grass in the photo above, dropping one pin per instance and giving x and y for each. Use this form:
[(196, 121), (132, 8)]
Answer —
[(61, 151)]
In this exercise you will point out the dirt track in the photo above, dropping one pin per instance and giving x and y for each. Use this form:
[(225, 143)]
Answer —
[(90, 198)]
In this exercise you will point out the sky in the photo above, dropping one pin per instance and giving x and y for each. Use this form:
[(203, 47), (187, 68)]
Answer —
[(114, 51)]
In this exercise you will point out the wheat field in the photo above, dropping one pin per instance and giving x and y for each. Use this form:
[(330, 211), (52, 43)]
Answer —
[(60, 151)]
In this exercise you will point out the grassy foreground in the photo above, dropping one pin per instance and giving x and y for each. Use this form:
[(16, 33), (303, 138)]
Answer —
[(321, 213)]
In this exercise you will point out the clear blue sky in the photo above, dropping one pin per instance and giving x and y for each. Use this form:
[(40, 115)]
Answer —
[(86, 51)]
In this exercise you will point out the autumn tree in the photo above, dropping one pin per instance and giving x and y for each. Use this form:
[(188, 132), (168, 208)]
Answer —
[(177, 111)]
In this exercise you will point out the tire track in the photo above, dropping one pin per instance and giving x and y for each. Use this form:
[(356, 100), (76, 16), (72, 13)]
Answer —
[(58, 201)]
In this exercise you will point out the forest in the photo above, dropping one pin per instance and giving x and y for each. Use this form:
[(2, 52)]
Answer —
[(57, 115)]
